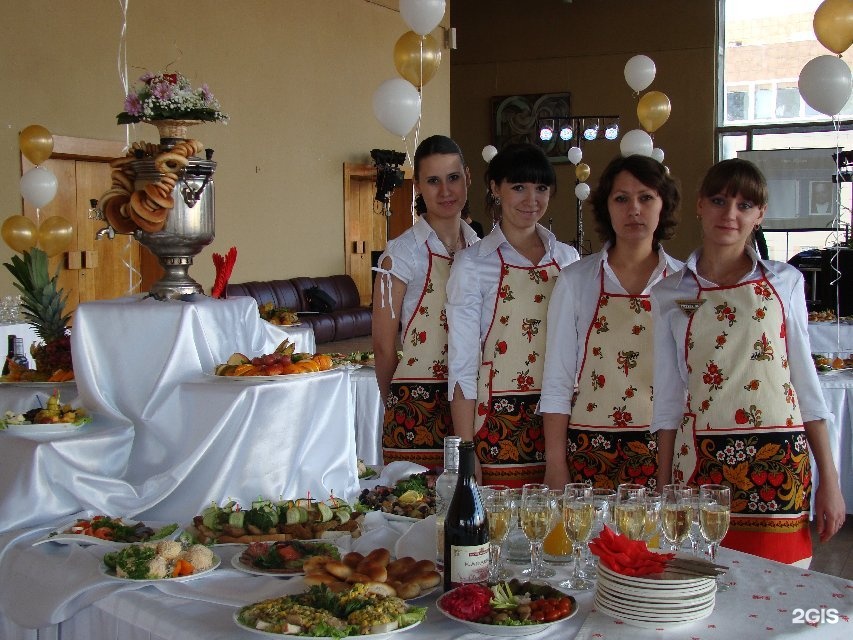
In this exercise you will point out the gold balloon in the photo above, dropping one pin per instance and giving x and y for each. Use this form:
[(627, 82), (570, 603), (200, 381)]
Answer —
[(36, 143), (833, 25), (653, 110), (19, 232), (55, 234), (411, 59), (582, 171)]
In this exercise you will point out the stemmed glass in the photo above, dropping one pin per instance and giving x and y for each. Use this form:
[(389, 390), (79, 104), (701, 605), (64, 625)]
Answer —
[(602, 501), (650, 532), (715, 502), (496, 500), (630, 510), (676, 514), (557, 547), (578, 517), (695, 533), (536, 518)]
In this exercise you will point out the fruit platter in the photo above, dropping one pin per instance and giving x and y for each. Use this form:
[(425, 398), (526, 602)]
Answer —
[(319, 612), (56, 417), (412, 497), (363, 358), (280, 316), (285, 360), (164, 560), (18, 373), (268, 521), (283, 557), (511, 608), (826, 364)]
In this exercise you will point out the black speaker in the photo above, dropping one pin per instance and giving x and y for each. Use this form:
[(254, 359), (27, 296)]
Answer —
[(837, 280)]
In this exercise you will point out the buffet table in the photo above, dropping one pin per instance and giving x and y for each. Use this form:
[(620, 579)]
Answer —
[(837, 388), (831, 337), (65, 591)]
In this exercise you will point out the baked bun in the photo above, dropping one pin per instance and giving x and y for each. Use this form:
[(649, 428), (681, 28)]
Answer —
[(338, 569)]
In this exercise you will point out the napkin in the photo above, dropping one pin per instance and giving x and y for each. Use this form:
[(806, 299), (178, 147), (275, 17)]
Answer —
[(628, 557), (224, 267)]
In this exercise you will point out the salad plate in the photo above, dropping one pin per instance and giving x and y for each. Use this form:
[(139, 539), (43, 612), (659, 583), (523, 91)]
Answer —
[(49, 429), (109, 573), (255, 571), (60, 535), (505, 631), (271, 634)]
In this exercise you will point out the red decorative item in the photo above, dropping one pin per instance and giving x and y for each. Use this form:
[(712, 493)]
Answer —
[(628, 557), (224, 267)]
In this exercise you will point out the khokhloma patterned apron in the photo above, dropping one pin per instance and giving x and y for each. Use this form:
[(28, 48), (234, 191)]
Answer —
[(414, 428), (609, 442), (508, 436), (743, 426)]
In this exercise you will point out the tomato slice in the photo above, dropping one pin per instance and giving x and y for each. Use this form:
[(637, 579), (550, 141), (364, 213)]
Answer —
[(104, 533)]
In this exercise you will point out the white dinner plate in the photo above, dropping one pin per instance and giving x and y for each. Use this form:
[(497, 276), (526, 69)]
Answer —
[(245, 568), (659, 595), (393, 517), (38, 384), (58, 535), (504, 630), (669, 581), (52, 429), (279, 378), (638, 603), (652, 621), (109, 573), (270, 634)]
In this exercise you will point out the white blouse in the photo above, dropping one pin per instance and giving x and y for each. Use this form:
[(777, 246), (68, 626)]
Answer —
[(570, 313), (472, 295), (671, 329), (410, 261)]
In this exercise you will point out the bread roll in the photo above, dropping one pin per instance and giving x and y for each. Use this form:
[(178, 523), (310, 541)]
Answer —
[(338, 569), (406, 590), (316, 564), (380, 588), (428, 579), (377, 572), (356, 577), (352, 559), (319, 578), (400, 567), (381, 555)]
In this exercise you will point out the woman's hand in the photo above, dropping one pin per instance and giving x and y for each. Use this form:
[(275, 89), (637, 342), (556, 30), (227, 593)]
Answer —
[(829, 510)]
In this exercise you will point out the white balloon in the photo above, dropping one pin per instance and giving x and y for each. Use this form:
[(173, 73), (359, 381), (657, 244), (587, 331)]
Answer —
[(657, 154), (38, 186), (639, 72), (422, 16), (575, 154), (636, 143), (397, 105), (489, 152), (582, 191), (825, 84)]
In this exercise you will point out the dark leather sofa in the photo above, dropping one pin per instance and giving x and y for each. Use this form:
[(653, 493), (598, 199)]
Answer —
[(347, 319)]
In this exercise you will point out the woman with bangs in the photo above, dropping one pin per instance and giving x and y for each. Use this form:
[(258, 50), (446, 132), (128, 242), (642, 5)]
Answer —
[(599, 361), (737, 399), (497, 302), (410, 292)]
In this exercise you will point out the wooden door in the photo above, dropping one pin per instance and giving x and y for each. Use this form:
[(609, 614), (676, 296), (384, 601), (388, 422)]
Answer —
[(90, 268), (366, 227)]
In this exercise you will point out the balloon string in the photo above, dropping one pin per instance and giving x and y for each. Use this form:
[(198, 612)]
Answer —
[(121, 63)]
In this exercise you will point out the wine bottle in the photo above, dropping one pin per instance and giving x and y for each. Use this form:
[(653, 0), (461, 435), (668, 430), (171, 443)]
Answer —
[(466, 527), (19, 356), (444, 488), (10, 355)]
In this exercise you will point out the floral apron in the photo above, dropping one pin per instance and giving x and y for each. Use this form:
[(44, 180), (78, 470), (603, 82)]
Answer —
[(608, 438), (414, 428), (508, 436), (743, 426)]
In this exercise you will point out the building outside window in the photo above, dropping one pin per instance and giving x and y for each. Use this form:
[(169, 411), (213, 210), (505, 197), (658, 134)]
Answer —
[(764, 45)]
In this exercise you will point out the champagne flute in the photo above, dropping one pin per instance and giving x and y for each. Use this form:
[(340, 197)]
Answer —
[(676, 514), (602, 501), (578, 517), (695, 533), (496, 500), (630, 510), (536, 515), (517, 548), (650, 531), (715, 502)]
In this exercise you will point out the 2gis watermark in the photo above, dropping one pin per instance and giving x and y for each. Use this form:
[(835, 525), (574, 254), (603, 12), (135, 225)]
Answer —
[(815, 616)]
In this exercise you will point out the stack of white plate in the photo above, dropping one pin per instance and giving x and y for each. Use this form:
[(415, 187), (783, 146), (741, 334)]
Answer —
[(654, 602)]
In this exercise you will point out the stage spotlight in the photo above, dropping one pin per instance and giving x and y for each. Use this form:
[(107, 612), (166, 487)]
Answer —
[(546, 131), (611, 131), (590, 131)]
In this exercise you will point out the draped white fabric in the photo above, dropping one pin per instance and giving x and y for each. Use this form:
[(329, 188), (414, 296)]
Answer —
[(368, 416), (837, 390), (831, 337)]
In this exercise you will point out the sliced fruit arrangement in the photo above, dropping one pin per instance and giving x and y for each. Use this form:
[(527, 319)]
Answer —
[(320, 612), (285, 360), (268, 521), (824, 363), (277, 315), (54, 413), (413, 497)]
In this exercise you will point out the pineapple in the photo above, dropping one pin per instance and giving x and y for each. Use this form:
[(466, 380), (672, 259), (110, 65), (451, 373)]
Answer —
[(44, 308)]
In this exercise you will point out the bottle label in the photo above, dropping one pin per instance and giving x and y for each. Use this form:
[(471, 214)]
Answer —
[(468, 563)]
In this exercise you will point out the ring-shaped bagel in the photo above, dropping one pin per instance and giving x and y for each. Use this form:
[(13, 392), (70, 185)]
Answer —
[(170, 162)]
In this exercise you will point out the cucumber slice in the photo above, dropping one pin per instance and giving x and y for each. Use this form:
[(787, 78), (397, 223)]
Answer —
[(325, 512), (236, 518), (343, 514)]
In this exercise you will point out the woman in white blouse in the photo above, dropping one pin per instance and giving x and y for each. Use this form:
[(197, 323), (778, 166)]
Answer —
[(737, 400), (497, 301), (411, 290), (599, 362)]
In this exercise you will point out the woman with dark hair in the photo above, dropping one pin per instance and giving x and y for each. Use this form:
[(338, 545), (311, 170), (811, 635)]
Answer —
[(497, 300), (737, 399), (597, 387), (411, 291)]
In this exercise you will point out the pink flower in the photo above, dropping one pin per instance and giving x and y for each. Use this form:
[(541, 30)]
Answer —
[(133, 105)]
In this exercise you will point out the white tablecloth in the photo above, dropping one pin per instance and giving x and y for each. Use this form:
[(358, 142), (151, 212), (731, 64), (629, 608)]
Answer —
[(831, 337), (368, 415), (64, 585)]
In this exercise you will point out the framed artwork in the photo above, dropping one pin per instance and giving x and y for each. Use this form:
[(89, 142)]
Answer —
[(821, 198), (514, 119)]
